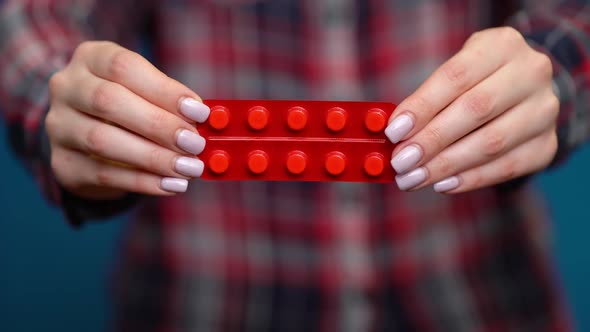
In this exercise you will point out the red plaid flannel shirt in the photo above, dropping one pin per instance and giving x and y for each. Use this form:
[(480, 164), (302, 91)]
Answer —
[(258, 256)]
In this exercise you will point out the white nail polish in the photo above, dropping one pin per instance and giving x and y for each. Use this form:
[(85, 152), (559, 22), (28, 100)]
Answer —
[(447, 184), (399, 128), (194, 110), (174, 185), (406, 159), (190, 142), (412, 179), (189, 166)]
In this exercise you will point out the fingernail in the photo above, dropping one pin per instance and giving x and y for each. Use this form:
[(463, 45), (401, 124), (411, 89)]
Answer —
[(446, 184), (189, 166), (412, 179), (174, 185), (190, 142), (194, 110), (406, 159), (399, 128)]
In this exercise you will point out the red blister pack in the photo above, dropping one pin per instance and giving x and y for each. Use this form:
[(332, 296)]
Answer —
[(282, 140)]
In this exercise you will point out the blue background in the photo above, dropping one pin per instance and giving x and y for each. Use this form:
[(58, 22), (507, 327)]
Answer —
[(53, 278)]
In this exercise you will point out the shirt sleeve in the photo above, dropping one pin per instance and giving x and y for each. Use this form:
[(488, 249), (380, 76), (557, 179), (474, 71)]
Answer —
[(37, 39), (561, 29)]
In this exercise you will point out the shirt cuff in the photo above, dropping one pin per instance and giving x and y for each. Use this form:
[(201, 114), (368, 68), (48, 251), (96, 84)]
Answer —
[(78, 210), (565, 90)]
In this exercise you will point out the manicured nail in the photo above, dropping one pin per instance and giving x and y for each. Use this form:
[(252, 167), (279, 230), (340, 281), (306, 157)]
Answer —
[(447, 184), (399, 128), (189, 166), (194, 110), (412, 179), (406, 159), (174, 185), (190, 142)]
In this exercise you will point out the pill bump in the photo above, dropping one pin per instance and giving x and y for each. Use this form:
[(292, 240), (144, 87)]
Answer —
[(218, 161), (375, 120), (335, 163), (336, 119), (258, 117), (374, 164), (219, 117), (296, 118), (257, 161), (296, 162)]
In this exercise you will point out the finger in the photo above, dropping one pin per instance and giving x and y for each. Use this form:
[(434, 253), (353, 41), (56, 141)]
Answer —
[(463, 71), (117, 64), (96, 173), (113, 102), (484, 102), (528, 158), (113, 143), (533, 117)]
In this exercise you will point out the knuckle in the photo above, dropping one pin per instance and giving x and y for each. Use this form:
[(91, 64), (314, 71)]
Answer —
[(107, 44), (510, 35), (420, 104), (59, 163), (552, 146), (56, 83), (142, 183), (51, 123), (455, 71), (477, 180), (474, 54), (494, 144), (84, 48), (553, 101), (474, 37), (443, 165), (103, 98), (56, 163), (433, 137), (103, 176), (169, 84), (159, 121), (542, 65), (552, 106), (509, 170), (155, 159), (554, 141), (478, 105), (97, 139), (120, 63)]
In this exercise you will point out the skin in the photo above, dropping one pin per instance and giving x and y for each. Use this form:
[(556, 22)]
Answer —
[(487, 115)]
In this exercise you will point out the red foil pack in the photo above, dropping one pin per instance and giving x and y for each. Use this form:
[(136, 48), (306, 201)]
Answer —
[(282, 140)]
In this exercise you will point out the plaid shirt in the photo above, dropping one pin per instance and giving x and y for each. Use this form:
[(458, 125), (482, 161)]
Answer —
[(257, 256)]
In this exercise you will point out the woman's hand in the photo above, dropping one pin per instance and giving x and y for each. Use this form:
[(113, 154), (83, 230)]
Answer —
[(117, 125), (486, 116)]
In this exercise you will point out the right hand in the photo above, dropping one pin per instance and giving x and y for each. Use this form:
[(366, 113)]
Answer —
[(117, 124)]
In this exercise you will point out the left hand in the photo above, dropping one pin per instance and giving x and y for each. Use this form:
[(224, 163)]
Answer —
[(486, 116)]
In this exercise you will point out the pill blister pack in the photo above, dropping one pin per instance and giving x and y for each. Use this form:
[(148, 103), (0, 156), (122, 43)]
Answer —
[(282, 140)]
